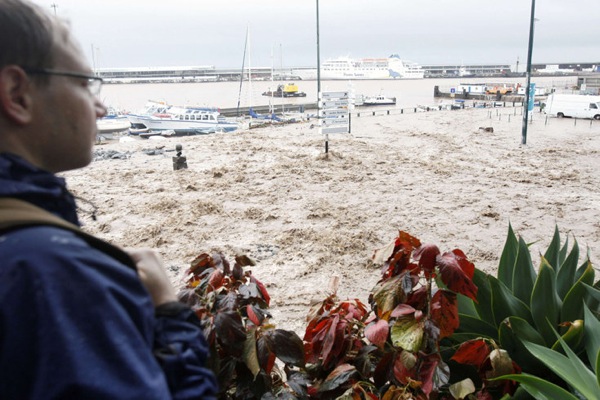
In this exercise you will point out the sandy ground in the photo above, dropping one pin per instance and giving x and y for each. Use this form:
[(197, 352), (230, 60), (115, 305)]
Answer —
[(272, 193)]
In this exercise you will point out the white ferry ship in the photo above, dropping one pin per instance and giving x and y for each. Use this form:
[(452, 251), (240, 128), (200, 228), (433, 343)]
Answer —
[(365, 68)]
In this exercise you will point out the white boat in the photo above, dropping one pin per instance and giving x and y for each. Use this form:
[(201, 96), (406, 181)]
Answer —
[(379, 100), (365, 68), (155, 108), (114, 121), (186, 120)]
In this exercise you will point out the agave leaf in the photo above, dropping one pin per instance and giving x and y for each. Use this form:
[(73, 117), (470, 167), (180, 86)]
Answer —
[(508, 258), (583, 266), (520, 394), (545, 304), (598, 367), (505, 304), (571, 309), (525, 331), (591, 337), (573, 337), (552, 254), (565, 277), (593, 297), (562, 255), (539, 388), (466, 306), (570, 368), (510, 342), (484, 297), (524, 274)]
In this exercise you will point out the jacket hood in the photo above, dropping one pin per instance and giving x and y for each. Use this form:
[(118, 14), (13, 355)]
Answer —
[(22, 180)]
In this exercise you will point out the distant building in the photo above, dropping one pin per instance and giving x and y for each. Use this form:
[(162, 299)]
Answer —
[(158, 74), (589, 84)]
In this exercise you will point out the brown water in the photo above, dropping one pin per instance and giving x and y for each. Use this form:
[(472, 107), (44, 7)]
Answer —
[(408, 93)]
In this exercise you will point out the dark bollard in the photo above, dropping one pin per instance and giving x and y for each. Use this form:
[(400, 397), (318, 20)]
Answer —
[(402, 111), (179, 161), (388, 112)]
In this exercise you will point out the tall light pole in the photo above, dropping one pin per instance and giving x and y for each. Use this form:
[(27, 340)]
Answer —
[(528, 74), (318, 55), (53, 5)]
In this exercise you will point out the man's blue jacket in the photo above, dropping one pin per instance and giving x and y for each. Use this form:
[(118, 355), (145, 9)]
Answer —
[(77, 324)]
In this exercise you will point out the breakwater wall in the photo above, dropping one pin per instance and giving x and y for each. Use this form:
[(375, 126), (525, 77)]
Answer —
[(278, 109)]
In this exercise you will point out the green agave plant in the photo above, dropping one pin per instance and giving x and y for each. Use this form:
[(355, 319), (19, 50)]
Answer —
[(523, 309), (583, 382)]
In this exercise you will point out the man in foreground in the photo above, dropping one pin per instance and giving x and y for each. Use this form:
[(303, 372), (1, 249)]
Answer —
[(78, 318)]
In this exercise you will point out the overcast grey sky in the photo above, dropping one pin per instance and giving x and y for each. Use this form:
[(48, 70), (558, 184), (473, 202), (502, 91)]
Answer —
[(132, 33)]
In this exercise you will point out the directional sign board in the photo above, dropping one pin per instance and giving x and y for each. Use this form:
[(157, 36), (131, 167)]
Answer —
[(334, 121), (334, 104), (334, 95), (333, 112), (335, 129)]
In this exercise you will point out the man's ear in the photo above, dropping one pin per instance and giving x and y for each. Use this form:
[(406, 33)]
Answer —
[(15, 94)]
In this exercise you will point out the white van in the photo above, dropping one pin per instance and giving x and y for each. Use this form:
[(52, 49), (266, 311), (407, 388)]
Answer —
[(573, 105)]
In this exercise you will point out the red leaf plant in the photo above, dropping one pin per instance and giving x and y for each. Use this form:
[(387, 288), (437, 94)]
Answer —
[(390, 351), (394, 348), (232, 305), (490, 362)]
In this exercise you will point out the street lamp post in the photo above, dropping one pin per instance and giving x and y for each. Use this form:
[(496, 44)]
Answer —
[(528, 74)]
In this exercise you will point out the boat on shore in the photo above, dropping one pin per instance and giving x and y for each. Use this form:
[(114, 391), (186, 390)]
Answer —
[(113, 122), (178, 121), (364, 68)]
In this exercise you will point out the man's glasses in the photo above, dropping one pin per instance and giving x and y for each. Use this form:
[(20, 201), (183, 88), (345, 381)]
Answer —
[(94, 83)]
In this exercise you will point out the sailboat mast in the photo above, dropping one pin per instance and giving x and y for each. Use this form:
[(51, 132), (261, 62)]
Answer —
[(271, 110), (249, 68), (242, 73)]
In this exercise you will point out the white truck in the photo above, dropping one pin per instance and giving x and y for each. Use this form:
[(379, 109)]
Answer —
[(573, 105)]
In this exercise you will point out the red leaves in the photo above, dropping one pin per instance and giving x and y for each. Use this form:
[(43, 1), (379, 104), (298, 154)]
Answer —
[(215, 280), (490, 361), (473, 352), (455, 269), (397, 259), (261, 288), (444, 312), (426, 256), (331, 332), (457, 273), (377, 333)]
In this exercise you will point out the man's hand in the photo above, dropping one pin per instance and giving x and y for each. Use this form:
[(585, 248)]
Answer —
[(153, 276)]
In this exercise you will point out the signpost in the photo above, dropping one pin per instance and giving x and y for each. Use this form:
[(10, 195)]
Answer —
[(531, 96), (528, 74), (334, 116)]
